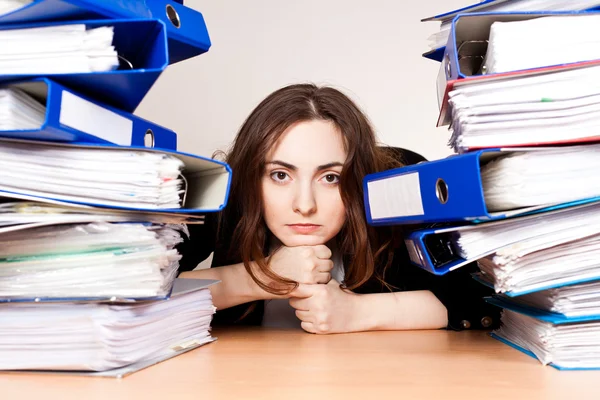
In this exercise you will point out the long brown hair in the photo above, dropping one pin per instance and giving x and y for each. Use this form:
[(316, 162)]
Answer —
[(242, 222)]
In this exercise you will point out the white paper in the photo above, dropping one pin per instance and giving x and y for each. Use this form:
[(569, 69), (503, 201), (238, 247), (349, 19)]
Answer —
[(20, 111), (441, 38), (541, 176), (579, 300), (475, 242), (543, 41), (97, 176), (126, 260), (554, 265), (58, 49), (568, 346), (542, 109), (101, 337)]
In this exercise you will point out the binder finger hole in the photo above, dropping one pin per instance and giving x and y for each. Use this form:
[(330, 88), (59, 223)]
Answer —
[(149, 138), (173, 16), (441, 191), (448, 67)]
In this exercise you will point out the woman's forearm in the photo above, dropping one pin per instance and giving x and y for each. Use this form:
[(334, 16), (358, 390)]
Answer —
[(402, 311), (235, 286)]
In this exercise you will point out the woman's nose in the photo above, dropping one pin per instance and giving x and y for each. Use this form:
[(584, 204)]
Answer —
[(304, 200)]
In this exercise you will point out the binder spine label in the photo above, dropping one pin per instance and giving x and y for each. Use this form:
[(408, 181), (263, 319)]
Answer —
[(395, 196), (85, 116)]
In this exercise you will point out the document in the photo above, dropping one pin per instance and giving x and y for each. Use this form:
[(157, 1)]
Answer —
[(525, 268), (549, 108), (95, 261), (440, 39), (138, 179), (568, 346), (540, 42), (103, 336), (580, 300), (17, 215), (62, 49), (541, 176), (520, 236), (20, 111)]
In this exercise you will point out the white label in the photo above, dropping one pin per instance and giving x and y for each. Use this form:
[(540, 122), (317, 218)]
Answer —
[(92, 119), (397, 196)]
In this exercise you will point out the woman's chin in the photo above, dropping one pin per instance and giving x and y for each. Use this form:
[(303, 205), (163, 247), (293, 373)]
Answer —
[(303, 240)]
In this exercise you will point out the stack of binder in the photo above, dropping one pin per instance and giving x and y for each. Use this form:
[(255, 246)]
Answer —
[(94, 199), (518, 89)]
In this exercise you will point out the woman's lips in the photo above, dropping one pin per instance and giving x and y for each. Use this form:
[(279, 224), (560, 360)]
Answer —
[(304, 228)]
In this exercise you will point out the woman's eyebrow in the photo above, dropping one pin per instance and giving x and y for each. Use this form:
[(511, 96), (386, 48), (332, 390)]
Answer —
[(329, 165), (294, 168), (283, 164)]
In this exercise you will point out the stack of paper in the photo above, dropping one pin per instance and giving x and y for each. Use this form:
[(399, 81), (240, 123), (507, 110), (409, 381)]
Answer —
[(522, 235), (95, 175), (554, 107), (15, 215), (89, 261), (531, 177), (540, 42), (580, 300), (440, 39), (570, 345), (118, 338), (88, 230), (20, 111), (520, 269), (57, 50), (519, 86)]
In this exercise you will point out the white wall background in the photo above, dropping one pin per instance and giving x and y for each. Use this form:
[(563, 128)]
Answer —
[(369, 49)]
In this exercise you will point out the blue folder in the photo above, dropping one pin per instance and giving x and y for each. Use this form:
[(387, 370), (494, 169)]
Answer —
[(142, 42), (433, 248), (186, 28), (481, 7), (446, 190), (207, 181), (72, 117)]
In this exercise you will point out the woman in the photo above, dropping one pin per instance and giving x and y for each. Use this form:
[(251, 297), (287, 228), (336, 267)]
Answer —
[(292, 247)]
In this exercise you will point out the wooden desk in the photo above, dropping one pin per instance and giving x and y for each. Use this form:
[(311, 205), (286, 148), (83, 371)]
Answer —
[(268, 364)]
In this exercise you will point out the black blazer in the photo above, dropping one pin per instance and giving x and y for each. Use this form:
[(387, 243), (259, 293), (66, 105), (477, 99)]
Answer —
[(457, 290)]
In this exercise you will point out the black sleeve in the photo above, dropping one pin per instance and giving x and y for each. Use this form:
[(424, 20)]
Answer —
[(200, 244), (457, 290), (197, 248)]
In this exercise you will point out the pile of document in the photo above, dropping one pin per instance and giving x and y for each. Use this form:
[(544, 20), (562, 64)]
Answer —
[(93, 199), (520, 94), (438, 40), (105, 339)]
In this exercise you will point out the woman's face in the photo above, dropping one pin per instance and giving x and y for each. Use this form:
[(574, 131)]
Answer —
[(300, 187)]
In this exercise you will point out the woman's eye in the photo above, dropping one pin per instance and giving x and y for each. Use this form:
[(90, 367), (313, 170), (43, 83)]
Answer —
[(332, 178), (279, 176)]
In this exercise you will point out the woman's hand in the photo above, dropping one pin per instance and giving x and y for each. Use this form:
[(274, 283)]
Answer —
[(303, 264), (327, 308)]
